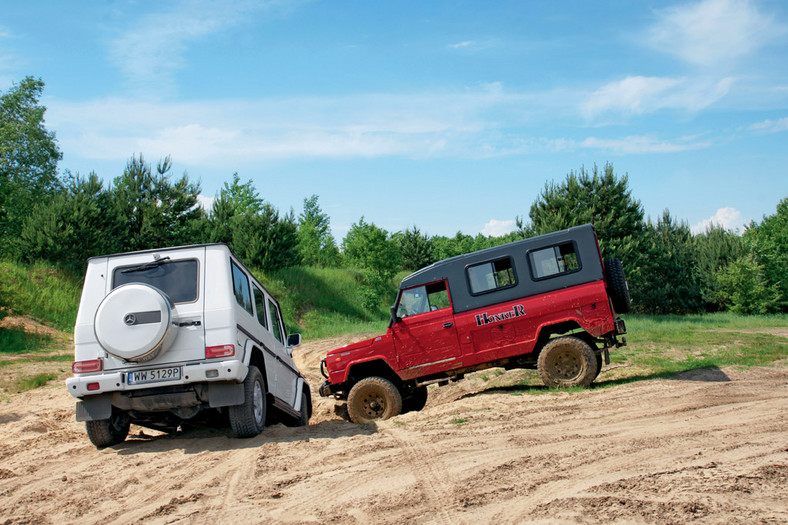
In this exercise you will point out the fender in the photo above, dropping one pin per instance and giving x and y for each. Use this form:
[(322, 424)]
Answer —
[(340, 376), (592, 326)]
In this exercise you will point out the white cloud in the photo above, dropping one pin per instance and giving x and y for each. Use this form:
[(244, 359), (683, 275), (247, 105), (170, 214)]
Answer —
[(371, 125), (729, 218), (206, 203), (488, 121), (637, 95), (712, 32), (496, 228), (629, 95), (150, 51), (771, 126), (644, 144), (473, 45)]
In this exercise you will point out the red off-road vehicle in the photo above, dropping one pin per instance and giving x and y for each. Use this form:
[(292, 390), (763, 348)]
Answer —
[(547, 302)]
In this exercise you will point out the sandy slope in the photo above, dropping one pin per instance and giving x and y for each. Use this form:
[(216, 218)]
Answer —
[(708, 446)]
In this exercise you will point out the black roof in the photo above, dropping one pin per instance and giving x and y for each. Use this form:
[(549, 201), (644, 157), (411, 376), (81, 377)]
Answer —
[(453, 268)]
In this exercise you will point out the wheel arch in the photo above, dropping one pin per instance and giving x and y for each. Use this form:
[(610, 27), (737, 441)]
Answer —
[(546, 332), (257, 359), (375, 367)]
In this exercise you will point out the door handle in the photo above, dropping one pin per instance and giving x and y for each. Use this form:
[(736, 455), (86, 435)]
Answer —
[(447, 325)]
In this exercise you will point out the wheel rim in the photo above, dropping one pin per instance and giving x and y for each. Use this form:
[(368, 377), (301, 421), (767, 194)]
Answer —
[(257, 402), (373, 405), (565, 364)]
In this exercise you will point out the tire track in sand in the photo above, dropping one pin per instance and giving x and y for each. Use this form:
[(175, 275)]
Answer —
[(431, 478)]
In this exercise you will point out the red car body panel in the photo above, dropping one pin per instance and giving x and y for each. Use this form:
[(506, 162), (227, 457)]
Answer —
[(424, 345)]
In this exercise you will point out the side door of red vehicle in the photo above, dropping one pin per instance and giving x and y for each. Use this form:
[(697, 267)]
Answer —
[(424, 333)]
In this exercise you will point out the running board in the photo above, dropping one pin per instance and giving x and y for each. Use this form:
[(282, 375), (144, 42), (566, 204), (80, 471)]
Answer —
[(287, 409)]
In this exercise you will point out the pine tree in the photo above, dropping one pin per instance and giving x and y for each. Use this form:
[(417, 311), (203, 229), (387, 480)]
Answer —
[(315, 242)]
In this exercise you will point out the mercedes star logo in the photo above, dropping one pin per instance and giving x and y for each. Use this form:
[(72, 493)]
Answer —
[(130, 319)]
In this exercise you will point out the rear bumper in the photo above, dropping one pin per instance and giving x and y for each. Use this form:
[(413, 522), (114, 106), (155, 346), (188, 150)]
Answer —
[(115, 381)]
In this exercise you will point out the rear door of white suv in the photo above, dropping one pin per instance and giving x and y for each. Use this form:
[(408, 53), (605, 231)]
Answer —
[(180, 275)]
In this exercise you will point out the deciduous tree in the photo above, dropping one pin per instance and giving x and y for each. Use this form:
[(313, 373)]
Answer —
[(28, 158)]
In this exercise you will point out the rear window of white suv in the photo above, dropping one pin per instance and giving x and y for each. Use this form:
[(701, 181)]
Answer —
[(177, 279)]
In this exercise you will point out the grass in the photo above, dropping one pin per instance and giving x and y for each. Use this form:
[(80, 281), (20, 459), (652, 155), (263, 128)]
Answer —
[(458, 421), (48, 294), (323, 302), (25, 383), (17, 341), (675, 344), (663, 346), (44, 358)]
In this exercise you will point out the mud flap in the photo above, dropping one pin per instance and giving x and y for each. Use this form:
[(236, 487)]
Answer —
[(225, 394), (93, 408)]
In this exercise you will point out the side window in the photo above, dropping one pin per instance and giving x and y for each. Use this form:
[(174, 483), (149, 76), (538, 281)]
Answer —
[(492, 275), (276, 326), (554, 260), (423, 299), (241, 288), (259, 304)]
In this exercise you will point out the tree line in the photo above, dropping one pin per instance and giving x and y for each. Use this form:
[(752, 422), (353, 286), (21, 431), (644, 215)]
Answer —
[(63, 219)]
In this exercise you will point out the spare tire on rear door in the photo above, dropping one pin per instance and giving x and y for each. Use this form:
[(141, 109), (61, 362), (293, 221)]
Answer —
[(617, 286), (136, 322)]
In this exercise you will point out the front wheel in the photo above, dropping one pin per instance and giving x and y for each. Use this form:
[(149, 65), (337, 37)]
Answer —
[(373, 398), (567, 361), (305, 411), (107, 432), (248, 419)]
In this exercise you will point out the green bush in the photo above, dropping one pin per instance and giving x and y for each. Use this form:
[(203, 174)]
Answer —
[(744, 289)]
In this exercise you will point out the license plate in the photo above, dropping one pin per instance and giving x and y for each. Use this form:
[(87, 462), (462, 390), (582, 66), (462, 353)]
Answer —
[(154, 375)]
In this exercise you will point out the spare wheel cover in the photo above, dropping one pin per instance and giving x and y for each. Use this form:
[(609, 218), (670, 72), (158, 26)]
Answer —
[(136, 322)]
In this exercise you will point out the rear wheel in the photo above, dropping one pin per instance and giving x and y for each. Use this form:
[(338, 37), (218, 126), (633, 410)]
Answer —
[(248, 418), (107, 432), (373, 398), (567, 361), (599, 362)]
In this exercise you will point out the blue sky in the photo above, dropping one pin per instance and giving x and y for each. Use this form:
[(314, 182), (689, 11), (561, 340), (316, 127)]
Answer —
[(448, 115)]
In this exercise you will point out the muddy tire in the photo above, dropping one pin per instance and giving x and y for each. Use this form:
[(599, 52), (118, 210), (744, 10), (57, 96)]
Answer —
[(566, 362), (373, 398), (599, 362), (617, 286), (107, 432), (248, 419), (415, 400)]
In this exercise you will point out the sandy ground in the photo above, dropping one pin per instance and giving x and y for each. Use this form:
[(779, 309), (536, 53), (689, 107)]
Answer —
[(708, 446)]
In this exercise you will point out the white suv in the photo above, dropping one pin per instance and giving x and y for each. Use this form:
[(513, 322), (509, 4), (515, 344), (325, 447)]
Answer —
[(181, 334)]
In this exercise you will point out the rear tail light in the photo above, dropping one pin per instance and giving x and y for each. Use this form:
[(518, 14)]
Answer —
[(93, 386), (91, 365), (219, 351)]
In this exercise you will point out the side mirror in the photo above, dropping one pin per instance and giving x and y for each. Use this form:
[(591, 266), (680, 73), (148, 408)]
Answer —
[(394, 319), (293, 340)]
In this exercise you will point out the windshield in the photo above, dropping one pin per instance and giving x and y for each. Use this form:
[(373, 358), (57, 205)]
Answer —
[(421, 299), (177, 279)]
